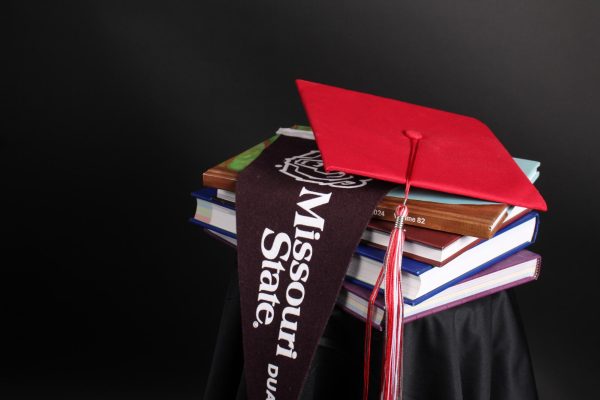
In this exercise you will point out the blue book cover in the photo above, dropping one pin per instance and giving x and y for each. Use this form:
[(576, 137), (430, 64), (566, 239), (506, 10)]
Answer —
[(418, 268)]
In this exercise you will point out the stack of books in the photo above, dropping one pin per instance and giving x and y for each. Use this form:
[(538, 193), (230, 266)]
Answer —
[(457, 249)]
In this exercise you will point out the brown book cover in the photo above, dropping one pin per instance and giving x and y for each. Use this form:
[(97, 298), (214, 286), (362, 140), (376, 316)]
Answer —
[(432, 238), (463, 219), (471, 220)]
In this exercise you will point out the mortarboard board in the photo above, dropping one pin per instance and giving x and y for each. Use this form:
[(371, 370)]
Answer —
[(361, 134)]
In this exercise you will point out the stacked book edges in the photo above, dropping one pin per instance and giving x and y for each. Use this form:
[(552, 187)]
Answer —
[(457, 249)]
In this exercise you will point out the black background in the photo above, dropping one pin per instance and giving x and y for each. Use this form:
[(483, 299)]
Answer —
[(108, 291)]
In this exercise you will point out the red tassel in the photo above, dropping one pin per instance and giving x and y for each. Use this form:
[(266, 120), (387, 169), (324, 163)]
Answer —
[(394, 329), (394, 306), (391, 386)]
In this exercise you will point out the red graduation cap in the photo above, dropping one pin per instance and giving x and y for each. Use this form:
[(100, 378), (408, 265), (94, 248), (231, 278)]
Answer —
[(362, 134), (395, 141)]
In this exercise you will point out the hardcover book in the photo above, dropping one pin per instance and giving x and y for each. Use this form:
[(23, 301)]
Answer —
[(520, 268), (427, 245)]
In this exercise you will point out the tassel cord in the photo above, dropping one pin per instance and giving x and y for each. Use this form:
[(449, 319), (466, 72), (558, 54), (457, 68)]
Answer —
[(391, 379)]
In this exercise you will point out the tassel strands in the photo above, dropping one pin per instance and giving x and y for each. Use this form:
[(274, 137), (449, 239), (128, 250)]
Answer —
[(392, 368), (391, 382)]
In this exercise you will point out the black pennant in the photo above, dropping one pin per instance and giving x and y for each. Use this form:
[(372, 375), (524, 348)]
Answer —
[(297, 228)]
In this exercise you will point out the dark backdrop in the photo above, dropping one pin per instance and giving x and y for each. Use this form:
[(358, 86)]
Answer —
[(108, 292)]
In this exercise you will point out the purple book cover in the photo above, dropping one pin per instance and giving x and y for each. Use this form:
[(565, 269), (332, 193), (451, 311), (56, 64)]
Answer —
[(517, 258)]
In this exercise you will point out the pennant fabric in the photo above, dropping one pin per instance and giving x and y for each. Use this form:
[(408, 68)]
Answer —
[(297, 228)]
